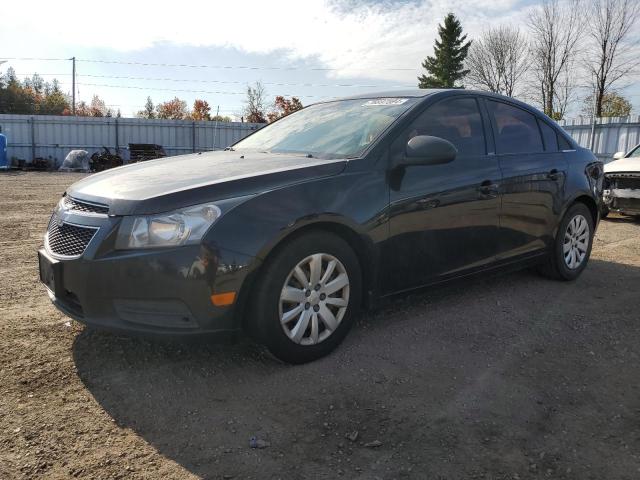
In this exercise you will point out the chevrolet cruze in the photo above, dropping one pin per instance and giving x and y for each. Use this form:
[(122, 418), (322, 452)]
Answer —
[(289, 232)]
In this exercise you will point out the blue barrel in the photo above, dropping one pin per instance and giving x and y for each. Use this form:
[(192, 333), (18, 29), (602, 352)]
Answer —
[(4, 161)]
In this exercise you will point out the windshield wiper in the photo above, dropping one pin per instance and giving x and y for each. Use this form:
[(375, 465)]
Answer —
[(229, 149)]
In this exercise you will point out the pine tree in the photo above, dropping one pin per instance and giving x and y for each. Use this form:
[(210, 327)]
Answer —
[(149, 110), (446, 66)]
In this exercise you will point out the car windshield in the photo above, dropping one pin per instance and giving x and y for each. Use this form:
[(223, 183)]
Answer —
[(635, 152), (341, 129)]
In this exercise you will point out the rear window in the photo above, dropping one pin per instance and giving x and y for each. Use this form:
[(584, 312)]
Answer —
[(516, 130)]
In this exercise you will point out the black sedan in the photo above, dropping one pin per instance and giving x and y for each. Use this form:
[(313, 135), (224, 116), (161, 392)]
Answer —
[(288, 233)]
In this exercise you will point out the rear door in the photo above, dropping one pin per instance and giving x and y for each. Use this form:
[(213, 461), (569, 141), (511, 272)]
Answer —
[(443, 218), (534, 174)]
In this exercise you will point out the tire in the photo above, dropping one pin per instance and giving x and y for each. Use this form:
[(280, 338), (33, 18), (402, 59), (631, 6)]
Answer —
[(604, 212), (288, 341), (556, 265)]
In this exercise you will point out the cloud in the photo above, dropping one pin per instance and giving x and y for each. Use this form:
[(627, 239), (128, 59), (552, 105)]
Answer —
[(355, 38)]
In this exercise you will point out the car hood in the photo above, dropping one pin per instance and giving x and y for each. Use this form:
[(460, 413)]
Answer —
[(173, 182), (631, 164)]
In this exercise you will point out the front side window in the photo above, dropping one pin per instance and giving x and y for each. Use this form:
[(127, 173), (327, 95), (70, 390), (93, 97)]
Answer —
[(516, 130), (457, 120), (341, 129)]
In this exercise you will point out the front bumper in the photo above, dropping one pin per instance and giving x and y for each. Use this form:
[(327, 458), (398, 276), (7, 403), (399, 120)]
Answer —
[(162, 291), (622, 193)]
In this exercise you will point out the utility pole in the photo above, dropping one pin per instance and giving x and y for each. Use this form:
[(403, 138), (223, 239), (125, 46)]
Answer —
[(73, 86)]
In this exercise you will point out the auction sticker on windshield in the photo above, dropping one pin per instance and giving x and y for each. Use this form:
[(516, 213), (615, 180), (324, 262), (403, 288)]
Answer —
[(385, 102)]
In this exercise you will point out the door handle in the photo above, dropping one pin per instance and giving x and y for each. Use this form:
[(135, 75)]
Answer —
[(488, 189), (553, 175)]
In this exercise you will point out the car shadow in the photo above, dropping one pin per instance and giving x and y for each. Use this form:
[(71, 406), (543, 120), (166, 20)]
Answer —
[(514, 374), (618, 218)]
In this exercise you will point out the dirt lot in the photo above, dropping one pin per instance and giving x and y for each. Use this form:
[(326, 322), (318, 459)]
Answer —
[(513, 377)]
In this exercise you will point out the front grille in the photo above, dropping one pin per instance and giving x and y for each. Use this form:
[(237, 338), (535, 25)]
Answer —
[(626, 183), (68, 240), (80, 206)]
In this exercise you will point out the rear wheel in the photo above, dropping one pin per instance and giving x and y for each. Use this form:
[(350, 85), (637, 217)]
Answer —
[(306, 297), (572, 246)]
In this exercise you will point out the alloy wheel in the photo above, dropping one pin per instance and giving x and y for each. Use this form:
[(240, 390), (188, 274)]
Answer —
[(576, 242), (314, 299)]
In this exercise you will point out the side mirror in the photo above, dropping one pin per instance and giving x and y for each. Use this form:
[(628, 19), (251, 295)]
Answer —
[(618, 155), (428, 150)]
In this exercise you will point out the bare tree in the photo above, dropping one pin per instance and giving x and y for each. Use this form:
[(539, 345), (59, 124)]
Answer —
[(555, 29), (610, 53), (497, 61), (254, 109)]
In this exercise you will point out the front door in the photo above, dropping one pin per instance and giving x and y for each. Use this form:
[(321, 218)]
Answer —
[(443, 219)]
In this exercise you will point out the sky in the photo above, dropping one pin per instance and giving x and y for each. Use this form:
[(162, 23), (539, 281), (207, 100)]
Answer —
[(312, 49)]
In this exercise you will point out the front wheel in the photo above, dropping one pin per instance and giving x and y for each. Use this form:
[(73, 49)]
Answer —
[(572, 245), (306, 297)]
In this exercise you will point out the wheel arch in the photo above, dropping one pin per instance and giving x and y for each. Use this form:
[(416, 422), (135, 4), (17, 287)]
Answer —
[(590, 203), (361, 246)]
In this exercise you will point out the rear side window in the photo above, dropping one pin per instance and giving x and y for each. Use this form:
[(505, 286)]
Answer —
[(564, 145), (457, 120), (516, 130), (549, 136)]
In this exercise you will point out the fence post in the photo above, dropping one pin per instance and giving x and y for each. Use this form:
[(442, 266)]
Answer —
[(193, 136), (33, 139), (117, 142)]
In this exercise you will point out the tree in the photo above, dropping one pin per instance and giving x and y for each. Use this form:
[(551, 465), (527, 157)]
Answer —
[(555, 29), (55, 103), (610, 52), (497, 61), (31, 96), (149, 110), (612, 105), (201, 110), (254, 109), (220, 118), (82, 109), (14, 97), (283, 107), (97, 108), (446, 67), (175, 109)]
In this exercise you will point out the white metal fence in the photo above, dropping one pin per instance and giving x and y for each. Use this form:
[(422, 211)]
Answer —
[(53, 137), (46, 136), (613, 134)]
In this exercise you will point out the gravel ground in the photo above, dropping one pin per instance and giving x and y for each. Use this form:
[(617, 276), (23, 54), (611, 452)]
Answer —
[(512, 377)]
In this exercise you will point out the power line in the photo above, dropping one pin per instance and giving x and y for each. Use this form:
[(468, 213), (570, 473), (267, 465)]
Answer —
[(235, 82), (36, 59), (182, 90), (240, 67)]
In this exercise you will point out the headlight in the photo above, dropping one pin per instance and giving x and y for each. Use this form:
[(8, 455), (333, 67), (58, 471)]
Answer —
[(182, 227), (60, 207)]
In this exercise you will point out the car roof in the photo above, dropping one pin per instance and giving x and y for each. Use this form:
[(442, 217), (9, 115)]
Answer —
[(412, 92), (426, 92)]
